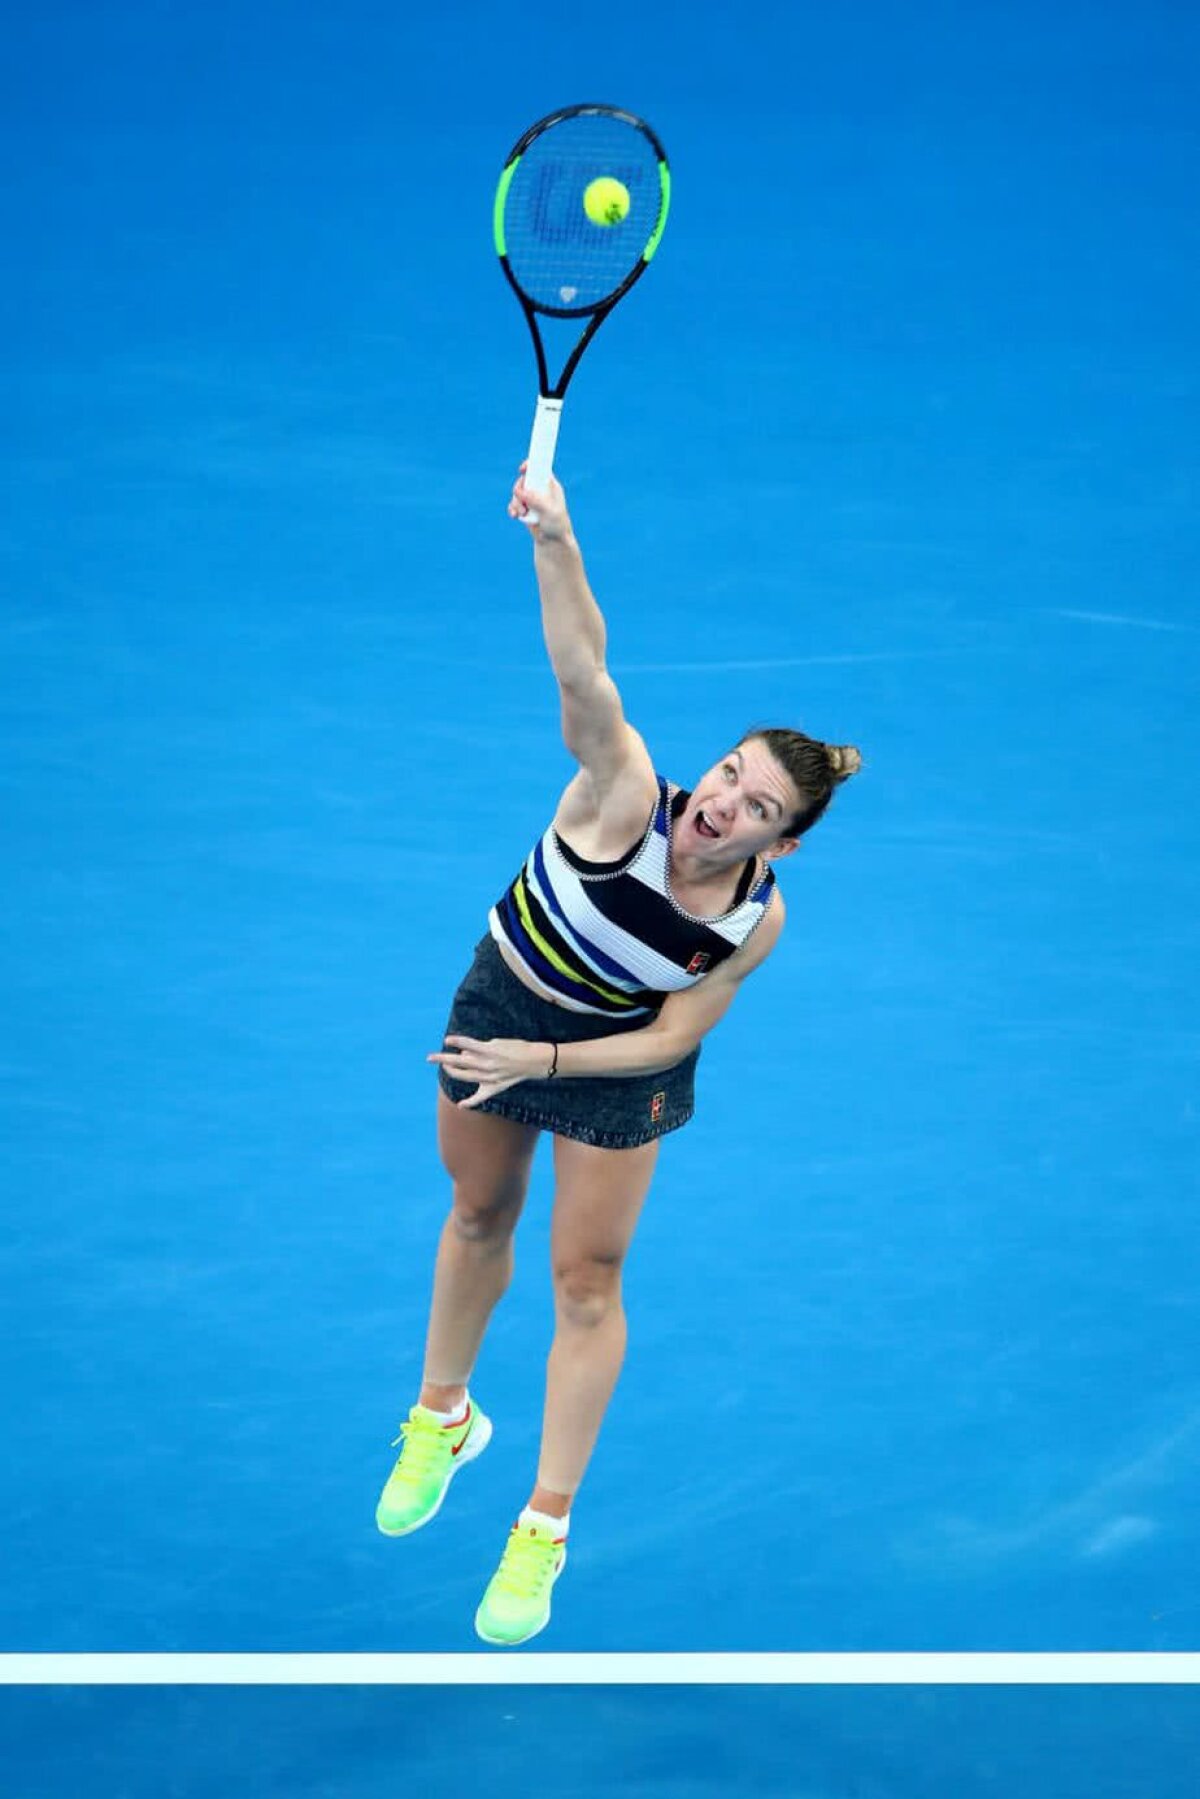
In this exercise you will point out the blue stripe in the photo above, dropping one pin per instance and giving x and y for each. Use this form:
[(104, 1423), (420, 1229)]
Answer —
[(660, 816), (602, 964)]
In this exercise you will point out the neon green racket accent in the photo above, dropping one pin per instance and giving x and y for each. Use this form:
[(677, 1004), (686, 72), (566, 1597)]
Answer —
[(498, 209), (664, 174)]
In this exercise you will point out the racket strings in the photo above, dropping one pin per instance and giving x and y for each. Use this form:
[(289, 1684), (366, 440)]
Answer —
[(556, 216), (558, 256)]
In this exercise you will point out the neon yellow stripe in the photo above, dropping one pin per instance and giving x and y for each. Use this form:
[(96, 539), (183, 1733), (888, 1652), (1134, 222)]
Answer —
[(554, 959), (664, 175), (498, 208)]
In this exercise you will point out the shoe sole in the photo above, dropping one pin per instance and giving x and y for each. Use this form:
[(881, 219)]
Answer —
[(475, 1445), (515, 1642)]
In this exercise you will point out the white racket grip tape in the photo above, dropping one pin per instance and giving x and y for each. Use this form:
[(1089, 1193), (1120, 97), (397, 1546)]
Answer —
[(541, 447)]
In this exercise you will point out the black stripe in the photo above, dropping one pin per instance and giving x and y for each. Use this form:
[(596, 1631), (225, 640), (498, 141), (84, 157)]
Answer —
[(745, 884), (583, 867), (653, 920)]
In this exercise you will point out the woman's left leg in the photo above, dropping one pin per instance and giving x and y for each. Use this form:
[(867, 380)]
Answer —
[(599, 1195)]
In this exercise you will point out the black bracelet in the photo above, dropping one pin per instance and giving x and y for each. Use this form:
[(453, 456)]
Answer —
[(554, 1063)]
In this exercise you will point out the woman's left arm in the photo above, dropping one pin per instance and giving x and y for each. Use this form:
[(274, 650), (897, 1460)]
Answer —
[(683, 1019)]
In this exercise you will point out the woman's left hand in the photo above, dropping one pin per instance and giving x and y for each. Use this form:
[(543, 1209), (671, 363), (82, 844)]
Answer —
[(496, 1063)]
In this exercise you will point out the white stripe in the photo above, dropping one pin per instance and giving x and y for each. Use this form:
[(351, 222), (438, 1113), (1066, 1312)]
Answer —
[(486, 1669)]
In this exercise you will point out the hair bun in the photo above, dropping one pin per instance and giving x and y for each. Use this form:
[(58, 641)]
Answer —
[(844, 760)]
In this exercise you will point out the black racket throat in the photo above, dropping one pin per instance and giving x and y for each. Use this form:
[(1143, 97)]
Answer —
[(595, 319)]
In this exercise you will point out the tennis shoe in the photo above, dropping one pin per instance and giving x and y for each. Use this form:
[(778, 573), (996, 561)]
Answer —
[(432, 1454), (516, 1604)]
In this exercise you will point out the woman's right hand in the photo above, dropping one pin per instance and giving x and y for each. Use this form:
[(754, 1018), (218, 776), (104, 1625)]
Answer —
[(550, 506)]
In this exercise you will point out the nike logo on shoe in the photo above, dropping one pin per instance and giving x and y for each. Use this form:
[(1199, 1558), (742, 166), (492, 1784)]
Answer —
[(455, 1447)]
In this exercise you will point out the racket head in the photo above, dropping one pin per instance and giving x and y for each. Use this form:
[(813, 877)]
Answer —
[(558, 260)]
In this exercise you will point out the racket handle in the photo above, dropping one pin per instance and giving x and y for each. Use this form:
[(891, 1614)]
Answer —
[(541, 446)]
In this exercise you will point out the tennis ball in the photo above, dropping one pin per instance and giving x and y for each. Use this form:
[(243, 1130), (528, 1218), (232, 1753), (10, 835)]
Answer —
[(606, 201)]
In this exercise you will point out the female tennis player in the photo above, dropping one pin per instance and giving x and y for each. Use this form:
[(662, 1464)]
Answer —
[(615, 950)]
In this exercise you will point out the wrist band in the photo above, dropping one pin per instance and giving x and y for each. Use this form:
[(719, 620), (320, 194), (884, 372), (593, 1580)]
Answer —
[(554, 1063)]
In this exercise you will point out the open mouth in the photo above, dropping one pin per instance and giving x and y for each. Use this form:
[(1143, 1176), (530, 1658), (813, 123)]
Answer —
[(704, 829)]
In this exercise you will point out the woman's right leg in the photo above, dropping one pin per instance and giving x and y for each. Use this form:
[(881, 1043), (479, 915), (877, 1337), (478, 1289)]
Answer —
[(489, 1159)]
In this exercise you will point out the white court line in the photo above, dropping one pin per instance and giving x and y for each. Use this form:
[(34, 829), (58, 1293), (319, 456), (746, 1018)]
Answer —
[(984, 1669), (720, 666), (1119, 618), (713, 666)]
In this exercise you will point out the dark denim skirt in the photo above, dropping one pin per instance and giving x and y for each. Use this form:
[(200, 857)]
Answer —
[(613, 1112)]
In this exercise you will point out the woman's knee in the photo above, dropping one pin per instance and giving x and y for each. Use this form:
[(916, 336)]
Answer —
[(489, 1215), (587, 1288)]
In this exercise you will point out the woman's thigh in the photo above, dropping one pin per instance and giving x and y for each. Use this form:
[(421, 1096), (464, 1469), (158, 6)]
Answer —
[(488, 1158), (598, 1198)]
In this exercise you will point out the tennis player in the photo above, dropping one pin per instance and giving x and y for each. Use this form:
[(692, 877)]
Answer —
[(619, 945)]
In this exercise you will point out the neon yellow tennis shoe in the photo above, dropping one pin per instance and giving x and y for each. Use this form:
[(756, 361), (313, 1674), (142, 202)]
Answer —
[(516, 1604), (432, 1455)]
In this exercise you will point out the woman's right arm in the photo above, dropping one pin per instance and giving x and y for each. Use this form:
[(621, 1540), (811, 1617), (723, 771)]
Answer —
[(594, 726)]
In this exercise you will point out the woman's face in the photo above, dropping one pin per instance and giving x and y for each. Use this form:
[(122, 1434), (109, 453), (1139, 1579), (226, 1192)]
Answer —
[(739, 808)]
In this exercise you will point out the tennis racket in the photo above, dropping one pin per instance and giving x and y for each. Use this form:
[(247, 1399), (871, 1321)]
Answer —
[(562, 260)]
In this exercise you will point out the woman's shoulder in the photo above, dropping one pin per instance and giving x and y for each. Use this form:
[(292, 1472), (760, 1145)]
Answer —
[(767, 932)]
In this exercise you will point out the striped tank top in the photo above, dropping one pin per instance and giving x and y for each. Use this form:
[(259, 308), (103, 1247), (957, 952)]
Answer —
[(609, 937)]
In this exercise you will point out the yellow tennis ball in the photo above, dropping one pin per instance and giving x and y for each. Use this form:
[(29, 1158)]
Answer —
[(606, 201)]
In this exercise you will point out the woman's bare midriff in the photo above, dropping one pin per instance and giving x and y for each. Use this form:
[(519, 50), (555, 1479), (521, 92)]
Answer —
[(515, 966)]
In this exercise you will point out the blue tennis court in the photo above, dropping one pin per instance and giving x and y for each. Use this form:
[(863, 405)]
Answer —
[(648, 1742), (895, 443)]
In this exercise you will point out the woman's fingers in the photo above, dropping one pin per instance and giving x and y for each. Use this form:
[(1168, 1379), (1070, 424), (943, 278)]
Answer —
[(466, 1058), (461, 1064), (495, 1064), (467, 1065), (486, 1090), (524, 501), (544, 514)]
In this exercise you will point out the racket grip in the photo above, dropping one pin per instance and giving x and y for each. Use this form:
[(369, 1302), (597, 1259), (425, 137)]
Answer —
[(541, 446)]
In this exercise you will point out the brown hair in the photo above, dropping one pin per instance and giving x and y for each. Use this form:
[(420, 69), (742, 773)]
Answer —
[(814, 769)]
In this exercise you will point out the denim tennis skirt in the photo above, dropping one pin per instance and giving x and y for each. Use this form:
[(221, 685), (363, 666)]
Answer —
[(613, 1112)]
